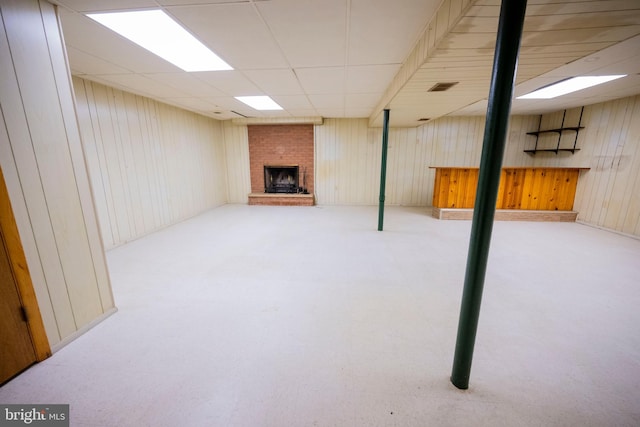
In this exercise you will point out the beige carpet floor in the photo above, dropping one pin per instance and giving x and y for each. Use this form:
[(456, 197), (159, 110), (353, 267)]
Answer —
[(308, 316)]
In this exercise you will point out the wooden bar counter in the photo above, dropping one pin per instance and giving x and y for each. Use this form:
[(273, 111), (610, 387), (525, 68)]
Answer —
[(521, 188)]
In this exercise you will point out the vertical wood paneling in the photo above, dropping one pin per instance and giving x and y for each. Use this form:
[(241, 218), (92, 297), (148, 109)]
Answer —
[(609, 194), (620, 205), (530, 188), (348, 162), (85, 121), (236, 144), (348, 156), (629, 216), (21, 171), (59, 60), (512, 196), (46, 176), (150, 164), (54, 165)]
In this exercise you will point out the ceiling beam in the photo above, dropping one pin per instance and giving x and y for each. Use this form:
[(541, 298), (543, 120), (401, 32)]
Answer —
[(443, 21)]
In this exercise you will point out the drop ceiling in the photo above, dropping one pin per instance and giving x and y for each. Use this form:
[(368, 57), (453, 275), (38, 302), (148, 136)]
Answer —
[(353, 58)]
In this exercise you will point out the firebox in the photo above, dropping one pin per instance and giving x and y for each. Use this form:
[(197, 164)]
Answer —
[(281, 179)]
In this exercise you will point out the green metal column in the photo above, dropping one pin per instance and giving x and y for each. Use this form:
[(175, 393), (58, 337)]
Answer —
[(501, 91), (383, 168)]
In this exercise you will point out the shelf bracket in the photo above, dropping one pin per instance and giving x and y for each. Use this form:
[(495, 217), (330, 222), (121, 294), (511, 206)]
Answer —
[(575, 141)]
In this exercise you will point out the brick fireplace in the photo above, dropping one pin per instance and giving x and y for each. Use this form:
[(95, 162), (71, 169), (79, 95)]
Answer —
[(281, 164)]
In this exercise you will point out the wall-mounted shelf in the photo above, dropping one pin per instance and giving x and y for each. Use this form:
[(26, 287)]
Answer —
[(562, 129), (551, 150)]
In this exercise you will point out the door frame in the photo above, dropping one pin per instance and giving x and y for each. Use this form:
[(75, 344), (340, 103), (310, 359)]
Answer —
[(20, 269)]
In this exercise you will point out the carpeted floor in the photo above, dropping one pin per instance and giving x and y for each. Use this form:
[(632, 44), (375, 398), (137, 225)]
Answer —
[(308, 316)]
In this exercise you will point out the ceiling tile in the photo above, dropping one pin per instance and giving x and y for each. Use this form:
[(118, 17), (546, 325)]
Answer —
[(370, 78), (382, 31), (276, 113), (362, 100), (137, 83), (331, 112), (302, 112), (186, 83), (321, 101), (85, 63), (322, 80), (357, 112), (99, 79), (311, 33), (192, 2), (102, 5), (289, 102), (233, 83), (226, 102), (196, 104), (336, 57), (275, 82), (235, 32)]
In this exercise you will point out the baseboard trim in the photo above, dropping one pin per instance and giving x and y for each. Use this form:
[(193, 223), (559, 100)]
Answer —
[(507, 215), (610, 230)]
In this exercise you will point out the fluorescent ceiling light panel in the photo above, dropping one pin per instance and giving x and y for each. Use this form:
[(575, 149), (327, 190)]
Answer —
[(155, 31), (569, 85), (261, 103)]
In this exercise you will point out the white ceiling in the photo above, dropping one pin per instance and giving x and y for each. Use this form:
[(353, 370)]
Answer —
[(352, 58)]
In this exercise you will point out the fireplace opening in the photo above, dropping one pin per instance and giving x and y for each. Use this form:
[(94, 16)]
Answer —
[(282, 179)]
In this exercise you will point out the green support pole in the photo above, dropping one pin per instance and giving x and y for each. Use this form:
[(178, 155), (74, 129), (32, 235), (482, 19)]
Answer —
[(501, 91), (383, 167)]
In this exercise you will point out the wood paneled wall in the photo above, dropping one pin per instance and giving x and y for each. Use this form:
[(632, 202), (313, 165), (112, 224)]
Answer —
[(608, 195), (347, 160), (43, 165), (348, 155), (236, 143), (151, 165)]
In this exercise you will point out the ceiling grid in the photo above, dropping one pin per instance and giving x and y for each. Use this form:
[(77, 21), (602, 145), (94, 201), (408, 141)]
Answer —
[(353, 58)]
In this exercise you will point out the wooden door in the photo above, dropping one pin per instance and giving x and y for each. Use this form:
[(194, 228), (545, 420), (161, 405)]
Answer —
[(16, 348), (23, 339)]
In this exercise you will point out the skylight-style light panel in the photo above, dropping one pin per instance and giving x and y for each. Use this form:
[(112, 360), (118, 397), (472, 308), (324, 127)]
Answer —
[(573, 84), (261, 103), (155, 31)]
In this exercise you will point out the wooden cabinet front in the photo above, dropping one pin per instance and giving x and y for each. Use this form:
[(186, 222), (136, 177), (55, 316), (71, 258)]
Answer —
[(520, 188)]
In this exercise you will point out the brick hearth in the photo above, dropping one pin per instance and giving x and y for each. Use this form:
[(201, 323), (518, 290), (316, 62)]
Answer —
[(274, 145), (281, 199)]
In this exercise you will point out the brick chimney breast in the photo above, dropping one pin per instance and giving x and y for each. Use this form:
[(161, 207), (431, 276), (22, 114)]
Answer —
[(281, 145)]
